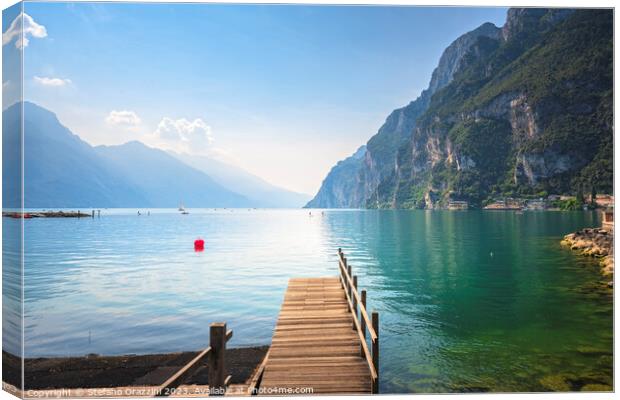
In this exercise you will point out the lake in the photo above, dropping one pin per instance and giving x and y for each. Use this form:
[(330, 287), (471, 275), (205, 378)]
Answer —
[(468, 301)]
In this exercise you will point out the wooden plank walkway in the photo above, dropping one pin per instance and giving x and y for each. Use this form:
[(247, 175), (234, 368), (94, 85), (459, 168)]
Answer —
[(315, 344)]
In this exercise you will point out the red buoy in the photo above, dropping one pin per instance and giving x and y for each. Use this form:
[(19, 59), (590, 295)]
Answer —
[(199, 245)]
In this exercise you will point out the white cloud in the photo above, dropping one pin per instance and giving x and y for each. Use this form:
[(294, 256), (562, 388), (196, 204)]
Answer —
[(54, 82), (124, 118), (30, 28), (182, 135)]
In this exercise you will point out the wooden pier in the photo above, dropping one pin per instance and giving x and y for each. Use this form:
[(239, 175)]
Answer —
[(320, 340)]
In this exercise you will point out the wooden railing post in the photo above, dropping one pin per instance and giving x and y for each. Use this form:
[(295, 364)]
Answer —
[(363, 320), (346, 268), (354, 302), (375, 350), (363, 323), (344, 272), (349, 272), (217, 367)]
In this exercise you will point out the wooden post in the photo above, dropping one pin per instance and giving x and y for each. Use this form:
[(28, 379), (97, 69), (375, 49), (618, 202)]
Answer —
[(93, 214), (375, 350), (349, 271), (217, 368), (363, 321), (353, 299), (346, 268)]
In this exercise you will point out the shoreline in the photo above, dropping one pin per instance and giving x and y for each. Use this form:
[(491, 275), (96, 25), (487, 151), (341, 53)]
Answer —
[(594, 242), (97, 371)]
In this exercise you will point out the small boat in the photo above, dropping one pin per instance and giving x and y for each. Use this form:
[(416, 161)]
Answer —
[(182, 209)]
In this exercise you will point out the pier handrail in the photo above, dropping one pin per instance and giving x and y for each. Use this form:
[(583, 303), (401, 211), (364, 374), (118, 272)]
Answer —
[(350, 283), (215, 353), (373, 370), (363, 323)]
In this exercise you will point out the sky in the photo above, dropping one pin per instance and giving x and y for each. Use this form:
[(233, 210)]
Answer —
[(283, 91)]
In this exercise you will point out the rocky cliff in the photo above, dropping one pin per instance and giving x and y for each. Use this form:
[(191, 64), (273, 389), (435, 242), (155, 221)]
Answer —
[(342, 188), (520, 111), (362, 173)]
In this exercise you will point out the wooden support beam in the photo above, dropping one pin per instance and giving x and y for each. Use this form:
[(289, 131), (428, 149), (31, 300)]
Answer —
[(257, 376), (217, 367), (355, 302), (167, 388), (375, 351), (350, 283), (362, 320)]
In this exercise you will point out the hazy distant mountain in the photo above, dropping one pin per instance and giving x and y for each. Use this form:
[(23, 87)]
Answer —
[(166, 181), (259, 191), (11, 158), (61, 170)]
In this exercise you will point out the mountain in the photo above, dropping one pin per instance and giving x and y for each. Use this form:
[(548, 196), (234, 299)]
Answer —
[(521, 111), (11, 158), (339, 188), (353, 181), (61, 170), (259, 191), (165, 181)]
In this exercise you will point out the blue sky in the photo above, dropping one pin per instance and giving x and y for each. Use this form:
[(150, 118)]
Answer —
[(282, 91)]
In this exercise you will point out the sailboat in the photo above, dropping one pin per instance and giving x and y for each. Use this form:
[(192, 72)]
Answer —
[(182, 209)]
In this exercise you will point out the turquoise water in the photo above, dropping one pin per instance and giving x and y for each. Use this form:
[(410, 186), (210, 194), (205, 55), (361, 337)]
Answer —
[(468, 301)]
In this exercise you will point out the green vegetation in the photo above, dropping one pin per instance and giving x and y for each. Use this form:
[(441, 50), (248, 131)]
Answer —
[(562, 75), (572, 204)]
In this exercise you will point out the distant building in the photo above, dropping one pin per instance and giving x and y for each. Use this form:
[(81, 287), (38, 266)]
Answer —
[(536, 204), (602, 200), (507, 203), (608, 218), (458, 205)]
